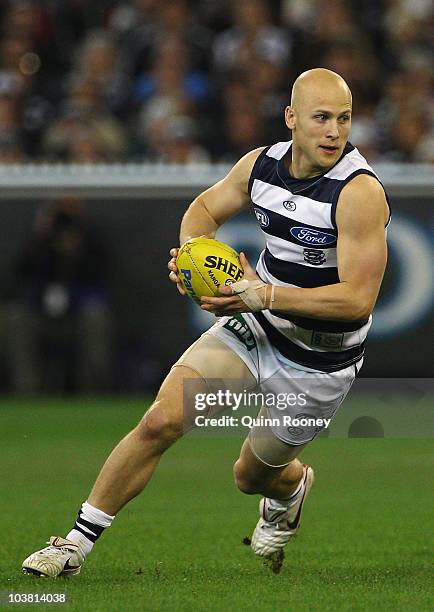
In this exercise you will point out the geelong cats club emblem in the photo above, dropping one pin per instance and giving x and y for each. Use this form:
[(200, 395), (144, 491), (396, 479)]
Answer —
[(314, 256)]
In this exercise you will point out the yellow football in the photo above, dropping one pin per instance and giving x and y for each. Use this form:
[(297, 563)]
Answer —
[(204, 264)]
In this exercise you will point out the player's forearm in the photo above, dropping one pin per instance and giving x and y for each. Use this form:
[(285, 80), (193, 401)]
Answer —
[(340, 302), (197, 221)]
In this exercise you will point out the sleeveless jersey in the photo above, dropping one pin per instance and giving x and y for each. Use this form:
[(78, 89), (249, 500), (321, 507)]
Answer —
[(297, 217)]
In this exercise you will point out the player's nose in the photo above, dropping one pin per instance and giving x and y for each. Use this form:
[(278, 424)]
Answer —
[(332, 130)]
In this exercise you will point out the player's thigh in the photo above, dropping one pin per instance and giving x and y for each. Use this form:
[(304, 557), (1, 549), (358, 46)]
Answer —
[(218, 364), (206, 366), (220, 370)]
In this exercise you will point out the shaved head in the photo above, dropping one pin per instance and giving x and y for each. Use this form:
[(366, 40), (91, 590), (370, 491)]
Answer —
[(320, 120), (317, 83)]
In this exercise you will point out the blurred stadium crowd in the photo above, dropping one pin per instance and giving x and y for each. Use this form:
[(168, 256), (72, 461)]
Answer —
[(207, 80)]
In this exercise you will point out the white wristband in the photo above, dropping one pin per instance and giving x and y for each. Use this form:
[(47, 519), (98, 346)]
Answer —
[(273, 289)]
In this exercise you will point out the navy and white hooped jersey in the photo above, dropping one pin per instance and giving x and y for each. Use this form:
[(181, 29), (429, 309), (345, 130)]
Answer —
[(298, 219)]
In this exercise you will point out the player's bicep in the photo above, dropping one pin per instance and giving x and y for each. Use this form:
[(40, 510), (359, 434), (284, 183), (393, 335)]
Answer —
[(362, 249), (362, 259), (223, 200), (230, 195)]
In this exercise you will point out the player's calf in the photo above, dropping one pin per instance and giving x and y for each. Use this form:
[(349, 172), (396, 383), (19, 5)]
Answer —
[(254, 475)]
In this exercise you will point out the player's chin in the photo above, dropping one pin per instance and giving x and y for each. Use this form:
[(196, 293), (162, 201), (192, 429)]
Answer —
[(327, 159)]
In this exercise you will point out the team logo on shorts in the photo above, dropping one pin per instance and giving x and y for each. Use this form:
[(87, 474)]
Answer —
[(289, 205), (242, 331), (303, 429), (315, 257)]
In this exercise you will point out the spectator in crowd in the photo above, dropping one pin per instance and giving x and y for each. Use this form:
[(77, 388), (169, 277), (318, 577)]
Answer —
[(11, 150), (28, 60), (401, 102), (364, 133), (268, 84), (59, 316), (9, 117), (170, 137), (251, 37), (178, 144), (424, 152), (172, 90), (149, 23), (27, 23), (243, 126), (243, 133), (84, 113), (172, 74), (407, 131), (97, 62)]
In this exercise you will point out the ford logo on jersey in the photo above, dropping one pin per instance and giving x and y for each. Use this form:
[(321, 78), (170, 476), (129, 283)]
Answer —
[(262, 217), (310, 236)]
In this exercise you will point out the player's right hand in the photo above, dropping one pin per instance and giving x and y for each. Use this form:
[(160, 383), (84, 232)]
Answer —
[(174, 272)]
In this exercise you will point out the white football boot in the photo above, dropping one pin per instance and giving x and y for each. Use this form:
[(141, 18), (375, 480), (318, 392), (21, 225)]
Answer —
[(61, 558), (277, 526)]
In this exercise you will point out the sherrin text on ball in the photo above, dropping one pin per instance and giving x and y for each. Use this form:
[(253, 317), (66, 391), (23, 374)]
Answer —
[(204, 264)]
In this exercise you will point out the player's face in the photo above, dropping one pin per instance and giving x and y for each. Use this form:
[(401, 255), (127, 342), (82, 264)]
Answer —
[(320, 130)]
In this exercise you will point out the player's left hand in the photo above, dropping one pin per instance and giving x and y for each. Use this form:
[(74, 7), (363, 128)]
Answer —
[(229, 304), (174, 272)]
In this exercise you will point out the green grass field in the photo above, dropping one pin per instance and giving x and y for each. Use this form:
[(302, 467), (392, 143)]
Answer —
[(366, 540)]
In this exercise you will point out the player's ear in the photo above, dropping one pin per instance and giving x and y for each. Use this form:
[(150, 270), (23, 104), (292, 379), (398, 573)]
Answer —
[(289, 117)]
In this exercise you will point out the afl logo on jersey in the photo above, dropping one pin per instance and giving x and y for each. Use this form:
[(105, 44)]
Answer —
[(262, 217), (310, 236), (289, 205)]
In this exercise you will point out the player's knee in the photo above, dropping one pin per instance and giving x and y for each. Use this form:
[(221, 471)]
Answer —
[(160, 425), (244, 479)]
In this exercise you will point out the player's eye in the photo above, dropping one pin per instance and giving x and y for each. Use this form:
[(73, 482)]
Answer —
[(321, 117), (344, 118)]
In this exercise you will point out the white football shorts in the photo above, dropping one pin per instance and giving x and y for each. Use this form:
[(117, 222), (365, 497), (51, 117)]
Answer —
[(299, 402)]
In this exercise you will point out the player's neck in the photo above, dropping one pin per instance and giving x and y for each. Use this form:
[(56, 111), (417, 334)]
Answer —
[(302, 168)]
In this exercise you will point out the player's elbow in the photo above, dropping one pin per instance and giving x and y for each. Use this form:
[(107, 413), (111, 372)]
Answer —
[(360, 309), (359, 314), (357, 301)]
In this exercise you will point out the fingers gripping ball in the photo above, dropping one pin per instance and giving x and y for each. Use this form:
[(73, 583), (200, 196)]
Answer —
[(204, 264)]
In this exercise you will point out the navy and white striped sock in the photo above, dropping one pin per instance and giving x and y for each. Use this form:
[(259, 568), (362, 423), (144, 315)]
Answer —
[(88, 527)]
